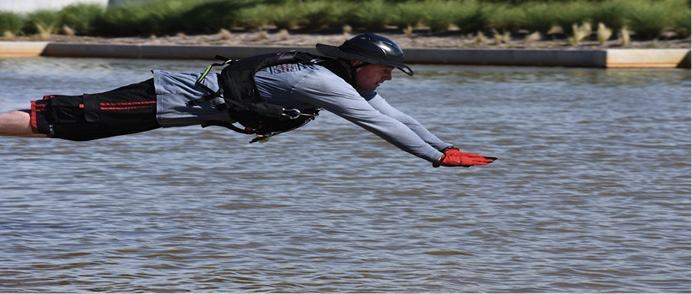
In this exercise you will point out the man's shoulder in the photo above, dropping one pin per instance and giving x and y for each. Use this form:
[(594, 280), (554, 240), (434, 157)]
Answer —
[(300, 73), (327, 80)]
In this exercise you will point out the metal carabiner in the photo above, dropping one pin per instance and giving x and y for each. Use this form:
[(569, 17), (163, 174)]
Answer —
[(292, 113)]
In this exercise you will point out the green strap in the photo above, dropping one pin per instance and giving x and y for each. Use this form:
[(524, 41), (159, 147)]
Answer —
[(206, 72)]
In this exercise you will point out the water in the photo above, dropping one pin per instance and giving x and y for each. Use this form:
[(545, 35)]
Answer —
[(591, 192)]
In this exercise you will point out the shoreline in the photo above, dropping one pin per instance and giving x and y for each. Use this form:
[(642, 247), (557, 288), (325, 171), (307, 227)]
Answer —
[(419, 48), (418, 39)]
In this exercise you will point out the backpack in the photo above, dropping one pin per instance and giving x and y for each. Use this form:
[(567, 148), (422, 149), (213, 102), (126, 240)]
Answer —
[(238, 89)]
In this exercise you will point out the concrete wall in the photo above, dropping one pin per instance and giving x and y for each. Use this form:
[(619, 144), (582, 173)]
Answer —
[(25, 6), (602, 58)]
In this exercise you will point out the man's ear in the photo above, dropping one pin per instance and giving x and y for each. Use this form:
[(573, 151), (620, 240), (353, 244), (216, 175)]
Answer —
[(356, 62)]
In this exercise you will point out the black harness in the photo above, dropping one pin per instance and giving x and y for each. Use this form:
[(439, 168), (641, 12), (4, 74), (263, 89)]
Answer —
[(238, 89)]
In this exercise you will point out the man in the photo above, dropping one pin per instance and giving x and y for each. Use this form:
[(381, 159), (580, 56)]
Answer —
[(344, 83)]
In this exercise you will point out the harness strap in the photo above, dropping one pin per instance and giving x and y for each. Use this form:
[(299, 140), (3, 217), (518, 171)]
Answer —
[(212, 94), (243, 102), (207, 97), (227, 125)]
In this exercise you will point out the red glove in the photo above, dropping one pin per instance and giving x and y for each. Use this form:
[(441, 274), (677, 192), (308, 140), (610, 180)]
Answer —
[(454, 157)]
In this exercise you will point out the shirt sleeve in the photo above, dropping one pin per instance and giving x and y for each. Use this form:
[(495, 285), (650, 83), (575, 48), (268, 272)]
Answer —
[(385, 108), (340, 98)]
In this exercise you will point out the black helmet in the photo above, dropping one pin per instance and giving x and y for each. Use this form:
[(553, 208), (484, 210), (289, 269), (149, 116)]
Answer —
[(370, 48)]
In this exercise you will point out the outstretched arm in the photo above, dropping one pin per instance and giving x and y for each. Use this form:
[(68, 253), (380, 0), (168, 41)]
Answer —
[(451, 155), (385, 108), (17, 123)]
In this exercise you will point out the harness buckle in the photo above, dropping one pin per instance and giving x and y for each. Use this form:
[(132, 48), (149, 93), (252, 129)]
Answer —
[(292, 113)]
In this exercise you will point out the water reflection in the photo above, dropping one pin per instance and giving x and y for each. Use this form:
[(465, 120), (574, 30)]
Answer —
[(591, 192)]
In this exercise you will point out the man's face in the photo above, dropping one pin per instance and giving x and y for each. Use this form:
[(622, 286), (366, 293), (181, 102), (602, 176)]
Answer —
[(371, 76)]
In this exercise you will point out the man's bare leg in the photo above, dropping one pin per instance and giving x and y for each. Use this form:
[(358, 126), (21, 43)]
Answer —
[(17, 123)]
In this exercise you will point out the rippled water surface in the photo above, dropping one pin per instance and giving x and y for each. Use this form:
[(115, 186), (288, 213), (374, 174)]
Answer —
[(591, 192)]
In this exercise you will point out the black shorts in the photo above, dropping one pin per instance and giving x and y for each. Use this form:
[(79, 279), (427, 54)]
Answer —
[(125, 110)]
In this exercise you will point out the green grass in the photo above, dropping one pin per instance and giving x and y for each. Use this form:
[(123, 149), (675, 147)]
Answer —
[(284, 17), (316, 15), (11, 22), (505, 17), (81, 17), (211, 16), (681, 23), (570, 13), (470, 16), (254, 17), (440, 15), (646, 18), (408, 14), (42, 22), (613, 13), (538, 17), (130, 19), (372, 14)]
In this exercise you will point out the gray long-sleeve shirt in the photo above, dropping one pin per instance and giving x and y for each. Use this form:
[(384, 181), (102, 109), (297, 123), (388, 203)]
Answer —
[(298, 86)]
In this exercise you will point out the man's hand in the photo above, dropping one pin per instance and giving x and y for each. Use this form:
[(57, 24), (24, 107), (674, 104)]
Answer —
[(454, 157)]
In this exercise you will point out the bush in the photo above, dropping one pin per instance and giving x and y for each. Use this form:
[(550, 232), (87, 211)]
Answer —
[(538, 17), (648, 20), (255, 17), (470, 17), (135, 18), (11, 22), (647, 17), (440, 15), (342, 14), (42, 21), (285, 17), (504, 18), (681, 23), (574, 12), (81, 17), (372, 15), (613, 13), (211, 16), (128, 18), (316, 15), (409, 14)]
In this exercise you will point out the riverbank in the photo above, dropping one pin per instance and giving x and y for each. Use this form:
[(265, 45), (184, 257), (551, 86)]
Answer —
[(417, 39), (420, 48)]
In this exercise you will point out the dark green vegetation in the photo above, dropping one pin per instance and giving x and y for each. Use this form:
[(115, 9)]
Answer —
[(644, 18)]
